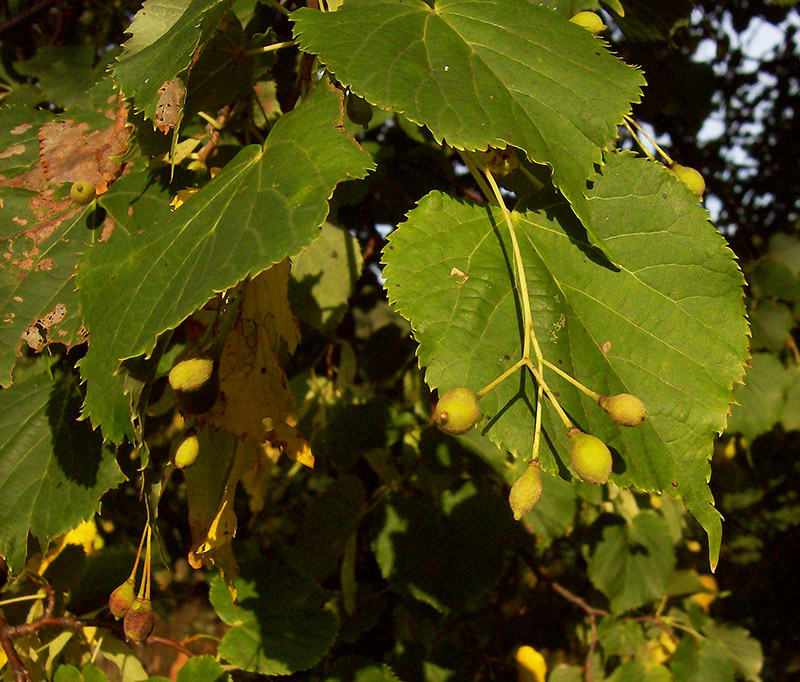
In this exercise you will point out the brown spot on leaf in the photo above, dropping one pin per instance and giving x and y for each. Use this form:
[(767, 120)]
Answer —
[(12, 151), (35, 337), (69, 152), (170, 105), (55, 316), (21, 128)]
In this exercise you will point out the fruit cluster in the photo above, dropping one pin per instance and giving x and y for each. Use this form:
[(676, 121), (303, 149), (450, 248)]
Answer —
[(457, 410), (196, 385), (135, 609)]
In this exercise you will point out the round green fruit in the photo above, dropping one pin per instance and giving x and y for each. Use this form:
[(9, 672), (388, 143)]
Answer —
[(589, 456), (590, 21), (196, 383), (139, 620), (187, 452), (359, 111), (121, 599), (189, 375), (624, 409), (457, 411), (82, 192), (526, 492), (690, 177)]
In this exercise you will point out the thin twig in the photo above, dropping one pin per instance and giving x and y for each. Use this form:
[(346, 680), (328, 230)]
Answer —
[(29, 13), (155, 639), (593, 613), (214, 131), (575, 599)]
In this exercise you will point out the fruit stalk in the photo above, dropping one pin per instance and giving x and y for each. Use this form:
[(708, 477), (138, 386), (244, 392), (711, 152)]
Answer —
[(577, 384)]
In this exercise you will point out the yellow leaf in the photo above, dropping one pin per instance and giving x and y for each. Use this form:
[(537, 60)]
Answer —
[(531, 666), (290, 441), (211, 487), (705, 599), (257, 479), (252, 382), (85, 535), (183, 196)]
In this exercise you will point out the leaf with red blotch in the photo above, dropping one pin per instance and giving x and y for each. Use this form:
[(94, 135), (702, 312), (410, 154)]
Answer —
[(71, 152), (43, 231)]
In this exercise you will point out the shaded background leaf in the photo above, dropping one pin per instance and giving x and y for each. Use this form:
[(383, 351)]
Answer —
[(279, 624), (632, 561)]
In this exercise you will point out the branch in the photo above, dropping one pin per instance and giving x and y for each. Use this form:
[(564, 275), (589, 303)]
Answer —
[(593, 613), (22, 17), (20, 674), (8, 634)]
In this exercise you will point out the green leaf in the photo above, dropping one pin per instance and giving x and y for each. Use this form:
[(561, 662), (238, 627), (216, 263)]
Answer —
[(279, 625), (631, 562), (685, 582), (120, 654), (265, 205), (19, 143), (785, 248), (702, 661), (134, 203), (658, 673), (630, 671), (64, 73), (154, 57), (772, 278), (744, 650), (356, 669), (323, 277), (37, 289), (69, 673), (762, 397), (330, 519), (771, 323), (223, 74), (203, 669), (151, 22), (535, 80), (566, 673), (619, 637), (53, 469), (665, 322), (463, 565)]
